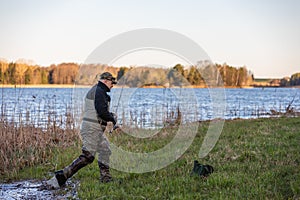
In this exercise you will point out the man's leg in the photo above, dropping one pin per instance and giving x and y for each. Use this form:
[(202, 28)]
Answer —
[(105, 175), (84, 159), (103, 160)]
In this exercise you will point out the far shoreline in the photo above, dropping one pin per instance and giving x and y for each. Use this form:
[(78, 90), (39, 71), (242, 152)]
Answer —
[(43, 86), (152, 87)]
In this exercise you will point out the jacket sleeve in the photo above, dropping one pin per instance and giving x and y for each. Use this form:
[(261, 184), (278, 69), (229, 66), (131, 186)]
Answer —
[(101, 106)]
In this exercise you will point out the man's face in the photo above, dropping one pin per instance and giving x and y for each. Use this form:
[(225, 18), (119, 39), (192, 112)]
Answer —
[(108, 83)]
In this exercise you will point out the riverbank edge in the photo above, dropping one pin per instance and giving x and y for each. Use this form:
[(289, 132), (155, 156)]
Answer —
[(116, 86)]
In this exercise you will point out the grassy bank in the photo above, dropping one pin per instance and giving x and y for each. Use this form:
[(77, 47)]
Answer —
[(253, 159)]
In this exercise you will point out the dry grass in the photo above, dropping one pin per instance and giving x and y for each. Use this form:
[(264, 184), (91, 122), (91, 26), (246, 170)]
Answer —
[(27, 145)]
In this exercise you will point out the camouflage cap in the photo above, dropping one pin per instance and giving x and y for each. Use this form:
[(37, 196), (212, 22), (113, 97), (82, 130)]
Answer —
[(108, 76)]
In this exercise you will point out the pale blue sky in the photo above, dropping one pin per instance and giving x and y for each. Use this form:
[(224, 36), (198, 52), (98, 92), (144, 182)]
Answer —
[(263, 35)]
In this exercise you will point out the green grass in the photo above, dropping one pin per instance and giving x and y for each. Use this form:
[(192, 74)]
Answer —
[(253, 159)]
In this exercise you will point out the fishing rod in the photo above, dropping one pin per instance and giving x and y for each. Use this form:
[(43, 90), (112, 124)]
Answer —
[(119, 99), (290, 104)]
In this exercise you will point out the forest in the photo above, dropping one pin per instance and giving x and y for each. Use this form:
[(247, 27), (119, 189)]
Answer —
[(203, 74)]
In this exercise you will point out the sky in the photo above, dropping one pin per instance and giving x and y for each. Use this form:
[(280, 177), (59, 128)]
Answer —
[(263, 35)]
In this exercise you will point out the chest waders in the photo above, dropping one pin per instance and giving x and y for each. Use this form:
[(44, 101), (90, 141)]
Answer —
[(94, 140)]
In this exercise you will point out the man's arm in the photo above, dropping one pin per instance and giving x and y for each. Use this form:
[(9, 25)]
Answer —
[(101, 106)]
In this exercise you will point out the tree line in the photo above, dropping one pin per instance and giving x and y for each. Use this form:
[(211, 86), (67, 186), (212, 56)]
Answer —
[(291, 81), (202, 74), (20, 73)]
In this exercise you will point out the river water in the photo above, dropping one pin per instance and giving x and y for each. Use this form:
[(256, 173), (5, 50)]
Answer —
[(145, 107)]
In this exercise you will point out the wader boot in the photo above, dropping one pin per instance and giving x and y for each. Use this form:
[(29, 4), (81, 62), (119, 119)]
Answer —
[(84, 159), (105, 176)]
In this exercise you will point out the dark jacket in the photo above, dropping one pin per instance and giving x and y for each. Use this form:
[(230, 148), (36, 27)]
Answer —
[(102, 102), (97, 105)]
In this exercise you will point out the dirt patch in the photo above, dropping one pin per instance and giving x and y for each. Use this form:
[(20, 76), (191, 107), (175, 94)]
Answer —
[(36, 189)]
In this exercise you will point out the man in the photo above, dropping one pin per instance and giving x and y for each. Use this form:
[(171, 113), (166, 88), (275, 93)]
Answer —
[(95, 117)]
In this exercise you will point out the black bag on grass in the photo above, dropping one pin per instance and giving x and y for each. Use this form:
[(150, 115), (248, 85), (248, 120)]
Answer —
[(202, 170)]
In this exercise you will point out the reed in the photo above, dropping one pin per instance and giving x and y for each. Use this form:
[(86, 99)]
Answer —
[(24, 144)]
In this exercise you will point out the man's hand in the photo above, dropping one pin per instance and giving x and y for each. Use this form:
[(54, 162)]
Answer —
[(115, 128), (118, 130)]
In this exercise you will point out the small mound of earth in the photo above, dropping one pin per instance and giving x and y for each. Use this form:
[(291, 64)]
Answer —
[(36, 189)]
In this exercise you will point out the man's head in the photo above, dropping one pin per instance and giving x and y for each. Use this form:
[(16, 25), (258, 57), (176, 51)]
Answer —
[(108, 79)]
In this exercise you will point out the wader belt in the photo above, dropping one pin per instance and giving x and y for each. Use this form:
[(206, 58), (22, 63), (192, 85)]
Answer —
[(93, 120)]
